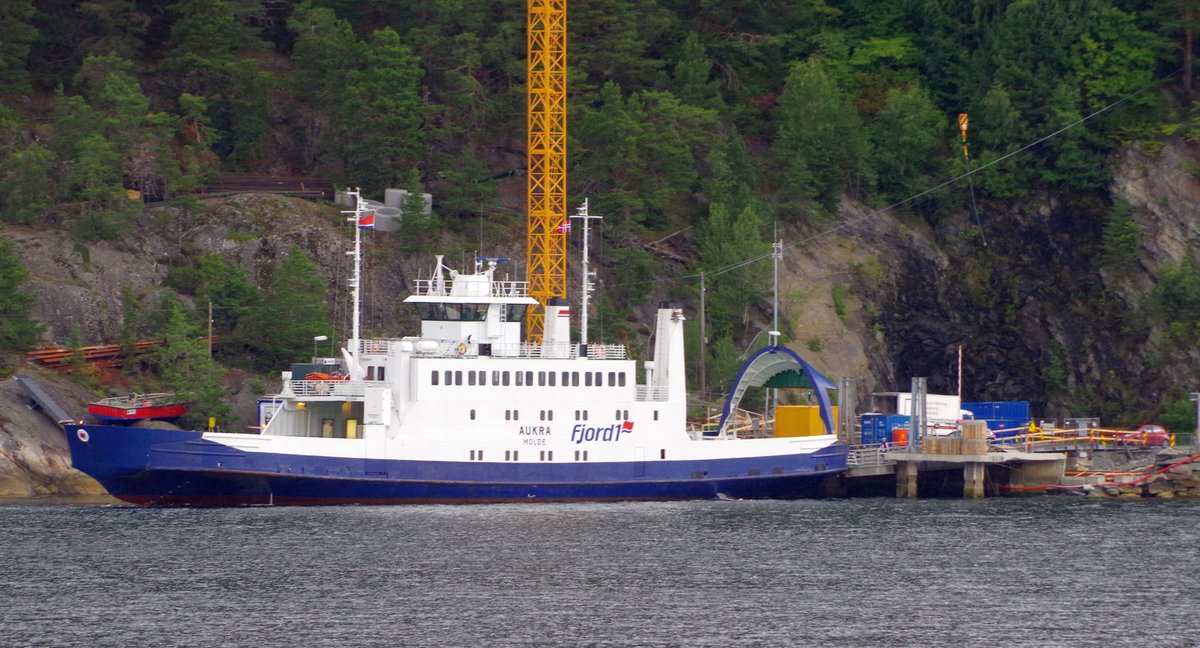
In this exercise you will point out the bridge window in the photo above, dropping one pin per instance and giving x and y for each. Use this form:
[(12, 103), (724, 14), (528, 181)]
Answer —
[(433, 377), (574, 378), (458, 377), (541, 379), (550, 378), (472, 415), (621, 379), (449, 376), (454, 312), (496, 377), (612, 379), (483, 378), (470, 378), (529, 378), (520, 375), (587, 379)]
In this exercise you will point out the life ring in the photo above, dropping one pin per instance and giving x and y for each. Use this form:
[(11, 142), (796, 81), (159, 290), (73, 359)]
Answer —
[(83, 435), (461, 348)]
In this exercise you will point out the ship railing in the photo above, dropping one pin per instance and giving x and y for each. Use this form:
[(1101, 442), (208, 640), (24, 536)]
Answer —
[(651, 393), (375, 347), (429, 287), (328, 388), (607, 352), (873, 454)]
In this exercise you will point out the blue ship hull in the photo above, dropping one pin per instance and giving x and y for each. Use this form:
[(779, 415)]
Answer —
[(173, 467)]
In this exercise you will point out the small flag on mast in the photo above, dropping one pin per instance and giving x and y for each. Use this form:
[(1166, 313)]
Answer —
[(564, 228), (367, 221)]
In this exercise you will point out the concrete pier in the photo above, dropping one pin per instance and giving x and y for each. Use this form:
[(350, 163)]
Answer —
[(973, 480), (906, 479)]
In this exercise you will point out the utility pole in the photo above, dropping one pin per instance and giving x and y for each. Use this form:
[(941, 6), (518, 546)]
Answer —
[(210, 329), (703, 345)]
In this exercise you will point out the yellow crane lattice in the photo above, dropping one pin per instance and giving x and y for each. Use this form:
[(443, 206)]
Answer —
[(546, 64)]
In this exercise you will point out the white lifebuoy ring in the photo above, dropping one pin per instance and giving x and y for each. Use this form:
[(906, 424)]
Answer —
[(83, 435), (462, 349)]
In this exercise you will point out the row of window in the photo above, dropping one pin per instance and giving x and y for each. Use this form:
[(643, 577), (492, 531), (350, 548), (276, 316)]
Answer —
[(527, 378), (548, 455), (548, 415)]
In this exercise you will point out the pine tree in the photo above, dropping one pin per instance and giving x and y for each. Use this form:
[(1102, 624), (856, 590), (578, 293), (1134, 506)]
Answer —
[(18, 35), (822, 146), (17, 331), (290, 314), (185, 366), (382, 125)]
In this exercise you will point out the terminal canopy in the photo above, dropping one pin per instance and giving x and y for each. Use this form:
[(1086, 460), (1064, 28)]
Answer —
[(778, 366)]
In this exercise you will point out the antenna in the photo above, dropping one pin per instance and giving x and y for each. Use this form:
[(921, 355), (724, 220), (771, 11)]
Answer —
[(588, 286)]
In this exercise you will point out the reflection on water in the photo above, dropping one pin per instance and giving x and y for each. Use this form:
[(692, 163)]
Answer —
[(869, 572)]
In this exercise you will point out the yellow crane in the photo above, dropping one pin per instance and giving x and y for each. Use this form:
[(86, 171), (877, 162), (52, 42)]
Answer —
[(546, 117)]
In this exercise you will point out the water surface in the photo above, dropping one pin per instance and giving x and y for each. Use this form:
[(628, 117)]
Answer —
[(1042, 571)]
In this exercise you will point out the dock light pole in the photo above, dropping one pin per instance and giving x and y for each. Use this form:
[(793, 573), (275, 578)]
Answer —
[(318, 338)]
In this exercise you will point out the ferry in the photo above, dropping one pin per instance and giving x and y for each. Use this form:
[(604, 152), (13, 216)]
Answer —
[(469, 412)]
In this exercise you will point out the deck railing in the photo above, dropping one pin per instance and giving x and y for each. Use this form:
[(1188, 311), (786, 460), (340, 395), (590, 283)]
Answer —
[(328, 388)]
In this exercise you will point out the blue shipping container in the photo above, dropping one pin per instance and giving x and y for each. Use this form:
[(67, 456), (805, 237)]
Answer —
[(999, 410), (871, 424), (892, 422)]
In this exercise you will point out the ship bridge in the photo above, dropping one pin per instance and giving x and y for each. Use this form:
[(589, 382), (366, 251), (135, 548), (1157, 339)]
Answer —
[(779, 366)]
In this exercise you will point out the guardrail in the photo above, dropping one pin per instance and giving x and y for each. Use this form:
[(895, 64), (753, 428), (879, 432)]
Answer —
[(328, 388), (868, 455), (1054, 439)]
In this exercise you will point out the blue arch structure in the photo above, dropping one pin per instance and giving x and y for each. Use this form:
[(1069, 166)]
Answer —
[(769, 362)]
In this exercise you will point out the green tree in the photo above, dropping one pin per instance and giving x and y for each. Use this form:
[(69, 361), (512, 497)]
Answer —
[(324, 53), (995, 132), (94, 178), (822, 146), (112, 27), (693, 74), (25, 167), (639, 155), (1120, 239), (728, 241), (1176, 299), (19, 34), (17, 331), (185, 366), (383, 138), (1114, 59), (226, 287), (207, 56), (290, 314), (908, 136)]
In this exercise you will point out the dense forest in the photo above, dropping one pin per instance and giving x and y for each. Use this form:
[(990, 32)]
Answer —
[(725, 118)]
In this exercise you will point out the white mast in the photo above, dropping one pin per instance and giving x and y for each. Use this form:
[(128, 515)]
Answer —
[(360, 208), (582, 213)]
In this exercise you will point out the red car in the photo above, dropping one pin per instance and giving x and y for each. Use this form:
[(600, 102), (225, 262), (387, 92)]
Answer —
[(1146, 435)]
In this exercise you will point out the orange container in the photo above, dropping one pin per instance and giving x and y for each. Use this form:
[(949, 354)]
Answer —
[(900, 437)]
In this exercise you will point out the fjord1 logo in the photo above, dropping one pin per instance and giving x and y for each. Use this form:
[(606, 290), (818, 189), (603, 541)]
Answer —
[(581, 432)]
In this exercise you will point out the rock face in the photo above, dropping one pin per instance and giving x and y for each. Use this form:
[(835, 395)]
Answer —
[(33, 451)]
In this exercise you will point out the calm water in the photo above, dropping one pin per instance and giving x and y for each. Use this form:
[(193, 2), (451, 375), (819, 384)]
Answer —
[(873, 572)]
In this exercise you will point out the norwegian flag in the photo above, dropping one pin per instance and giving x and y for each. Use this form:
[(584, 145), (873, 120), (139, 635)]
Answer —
[(565, 312), (564, 228), (627, 426), (367, 221)]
